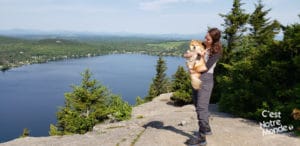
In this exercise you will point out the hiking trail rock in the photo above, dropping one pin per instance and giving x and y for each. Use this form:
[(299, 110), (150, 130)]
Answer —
[(160, 123)]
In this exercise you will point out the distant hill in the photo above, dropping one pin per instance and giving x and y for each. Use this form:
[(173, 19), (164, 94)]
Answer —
[(20, 50), (38, 34), (7, 39)]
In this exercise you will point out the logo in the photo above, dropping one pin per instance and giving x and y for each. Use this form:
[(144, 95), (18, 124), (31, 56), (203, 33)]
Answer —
[(273, 125)]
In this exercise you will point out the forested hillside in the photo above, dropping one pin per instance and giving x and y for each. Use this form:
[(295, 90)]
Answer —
[(16, 52)]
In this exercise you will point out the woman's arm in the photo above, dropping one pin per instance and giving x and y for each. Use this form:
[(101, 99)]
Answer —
[(192, 71), (212, 60)]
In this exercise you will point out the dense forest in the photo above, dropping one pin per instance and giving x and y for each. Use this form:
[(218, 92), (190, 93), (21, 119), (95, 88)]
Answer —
[(16, 51), (257, 72)]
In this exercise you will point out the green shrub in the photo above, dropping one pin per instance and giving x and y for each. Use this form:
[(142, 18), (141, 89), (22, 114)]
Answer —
[(119, 109), (25, 133), (139, 101)]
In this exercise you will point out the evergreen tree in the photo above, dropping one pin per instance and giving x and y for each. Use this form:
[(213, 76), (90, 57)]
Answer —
[(88, 104), (159, 84), (181, 86), (181, 79), (262, 29), (234, 24), (235, 47)]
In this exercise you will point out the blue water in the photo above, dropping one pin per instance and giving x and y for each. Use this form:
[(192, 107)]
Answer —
[(30, 95)]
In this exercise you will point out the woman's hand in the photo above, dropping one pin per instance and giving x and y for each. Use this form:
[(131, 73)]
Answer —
[(187, 54), (192, 71), (201, 53)]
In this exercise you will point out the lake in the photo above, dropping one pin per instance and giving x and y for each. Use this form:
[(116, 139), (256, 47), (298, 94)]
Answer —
[(30, 95)]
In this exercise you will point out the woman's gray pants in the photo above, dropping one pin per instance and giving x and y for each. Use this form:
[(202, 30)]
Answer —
[(201, 99)]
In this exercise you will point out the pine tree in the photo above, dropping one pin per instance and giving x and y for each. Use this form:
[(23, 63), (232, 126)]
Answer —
[(262, 29), (181, 86), (88, 104), (181, 80), (159, 84), (83, 107), (235, 47), (234, 24)]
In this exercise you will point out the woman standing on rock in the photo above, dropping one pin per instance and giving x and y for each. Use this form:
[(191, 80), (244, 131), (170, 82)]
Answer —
[(201, 97)]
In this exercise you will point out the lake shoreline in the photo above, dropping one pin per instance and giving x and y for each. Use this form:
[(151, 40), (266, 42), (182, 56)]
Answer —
[(4, 68)]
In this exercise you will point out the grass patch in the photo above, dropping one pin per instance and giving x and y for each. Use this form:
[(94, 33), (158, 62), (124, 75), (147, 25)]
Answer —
[(164, 99), (113, 127), (140, 117), (100, 132), (118, 144), (167, 45), (137, 137)]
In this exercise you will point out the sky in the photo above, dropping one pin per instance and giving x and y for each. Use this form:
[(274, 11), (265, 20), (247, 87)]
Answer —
[(132, 16)]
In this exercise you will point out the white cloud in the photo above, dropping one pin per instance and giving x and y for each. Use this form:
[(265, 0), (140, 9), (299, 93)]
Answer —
[(155, 5)]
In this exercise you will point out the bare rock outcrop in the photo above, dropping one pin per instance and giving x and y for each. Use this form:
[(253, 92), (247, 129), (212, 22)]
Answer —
[(160, 123)]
